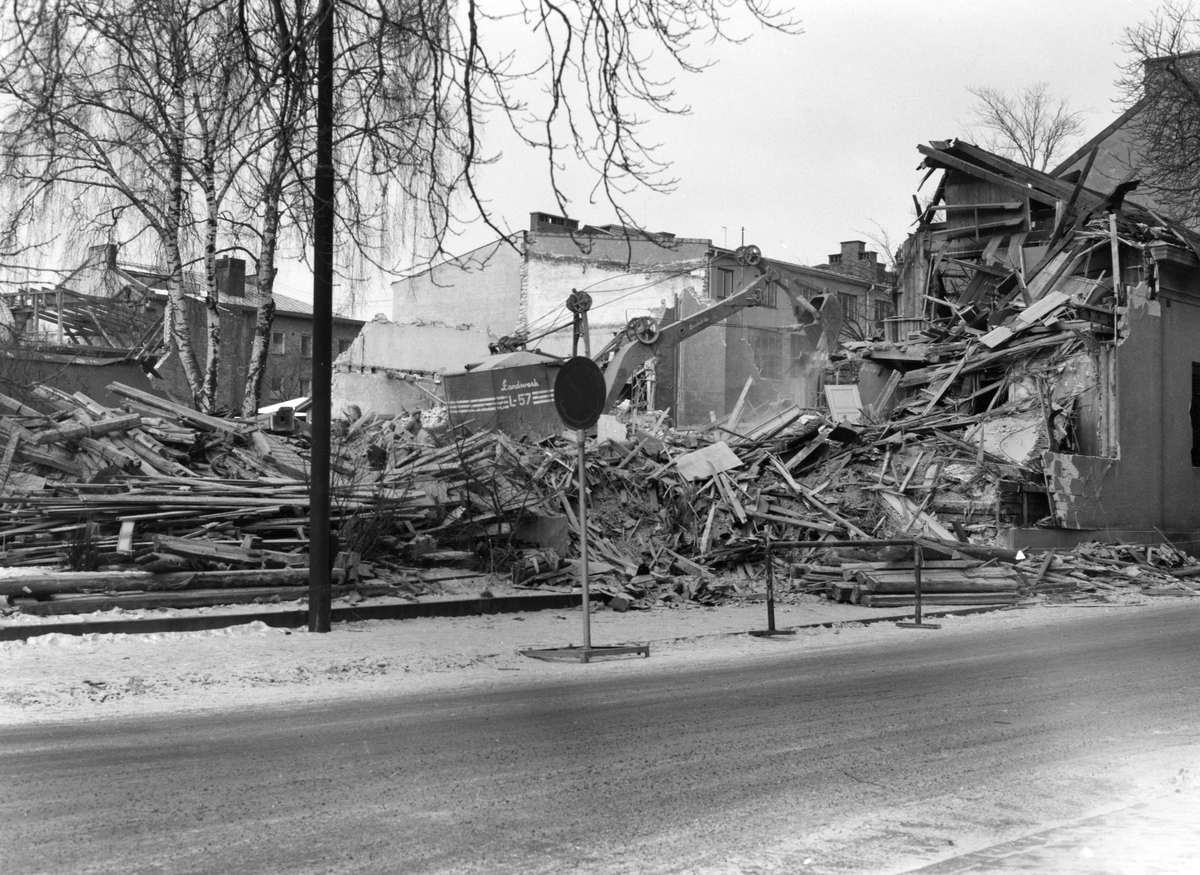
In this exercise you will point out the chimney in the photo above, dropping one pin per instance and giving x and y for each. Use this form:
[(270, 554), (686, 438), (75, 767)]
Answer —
[(852, 251), (231, 277), (1165, 71), (856, 261)]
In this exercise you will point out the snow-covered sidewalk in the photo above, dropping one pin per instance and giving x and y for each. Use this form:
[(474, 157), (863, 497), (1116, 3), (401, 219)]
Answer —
[(67, 677)]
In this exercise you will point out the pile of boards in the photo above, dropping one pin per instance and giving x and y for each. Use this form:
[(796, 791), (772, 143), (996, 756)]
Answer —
[(184, 509), (158, 505), (1091, 572), (948, 581)]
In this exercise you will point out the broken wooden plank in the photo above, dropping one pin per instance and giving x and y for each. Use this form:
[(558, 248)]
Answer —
[(59, 605), (121, 581), (180, 412), (79, 430), (873, 600), (1047, 305), (707, 461)]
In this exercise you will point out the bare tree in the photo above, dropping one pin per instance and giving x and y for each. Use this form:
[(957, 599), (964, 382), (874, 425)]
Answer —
[(884, 242), (272, 46), (1031, 126), (194, 117), (132, 108), (1162, 79)]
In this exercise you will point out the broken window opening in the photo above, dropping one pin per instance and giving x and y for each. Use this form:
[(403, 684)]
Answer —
[(724, 284), (797, 347), (1064, 427), (767, 347), (640, 388)]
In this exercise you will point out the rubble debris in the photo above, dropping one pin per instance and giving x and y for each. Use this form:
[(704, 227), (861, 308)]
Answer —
[(226, 525), (988, 407)]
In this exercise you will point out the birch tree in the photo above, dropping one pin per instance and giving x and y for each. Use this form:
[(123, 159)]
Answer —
[(272, 48), (190, 121), (129, 107)]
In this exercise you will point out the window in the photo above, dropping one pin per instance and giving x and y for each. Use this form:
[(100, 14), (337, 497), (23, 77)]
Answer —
[(305, 346), (797, 346), (849, 306), (771, 295), (343, 345), (883, 310), (724, 284), (768, 352), (305, 388), (278, 346)]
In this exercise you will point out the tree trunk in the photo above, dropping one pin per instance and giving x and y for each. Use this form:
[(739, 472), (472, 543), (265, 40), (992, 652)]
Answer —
[(267, 273), (265, 317), (212, 360), (177, 324)]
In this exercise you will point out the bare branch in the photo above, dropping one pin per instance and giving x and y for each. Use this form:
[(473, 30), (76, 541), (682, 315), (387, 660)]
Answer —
[(1031, 127)]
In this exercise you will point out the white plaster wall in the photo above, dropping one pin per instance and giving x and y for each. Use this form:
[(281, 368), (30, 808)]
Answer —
[(481, 289), (619, 293), (431, 348), (380, 392)]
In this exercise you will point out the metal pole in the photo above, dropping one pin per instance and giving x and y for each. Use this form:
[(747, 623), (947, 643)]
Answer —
[(770, 587), (583, 549), (320, 566), (918, 560)]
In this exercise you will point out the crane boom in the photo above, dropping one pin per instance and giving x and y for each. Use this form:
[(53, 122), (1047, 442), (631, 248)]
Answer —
[(633, 355)]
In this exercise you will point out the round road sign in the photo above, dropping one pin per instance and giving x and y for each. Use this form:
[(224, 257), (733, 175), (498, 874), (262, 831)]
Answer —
[(579, 392)]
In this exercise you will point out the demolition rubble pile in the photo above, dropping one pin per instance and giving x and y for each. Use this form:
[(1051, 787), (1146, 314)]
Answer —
[(1001, 365), (168, 507), (157, 505)]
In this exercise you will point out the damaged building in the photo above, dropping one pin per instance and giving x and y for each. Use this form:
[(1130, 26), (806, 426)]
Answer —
[(110, 310), (513, 295), (1052, 330)]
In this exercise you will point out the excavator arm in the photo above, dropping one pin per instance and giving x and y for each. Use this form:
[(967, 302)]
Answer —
[(628, 358)]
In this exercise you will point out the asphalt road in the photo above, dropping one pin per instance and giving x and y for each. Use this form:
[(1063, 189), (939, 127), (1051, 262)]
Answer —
[(873, 759)]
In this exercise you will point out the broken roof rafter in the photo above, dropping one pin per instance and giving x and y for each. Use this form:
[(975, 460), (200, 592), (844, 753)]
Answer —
[(97, 323), (948, 161)]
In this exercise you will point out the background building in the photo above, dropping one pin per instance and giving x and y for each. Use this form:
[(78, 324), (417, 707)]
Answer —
[(513, 293)]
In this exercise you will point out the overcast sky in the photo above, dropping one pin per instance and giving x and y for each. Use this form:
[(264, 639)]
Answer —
[(806, 141)]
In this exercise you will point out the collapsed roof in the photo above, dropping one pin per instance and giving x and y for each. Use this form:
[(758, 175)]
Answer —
[(1015, 290)]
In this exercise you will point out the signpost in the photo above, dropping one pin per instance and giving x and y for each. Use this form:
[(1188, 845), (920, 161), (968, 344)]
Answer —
[(579, 394), (918, 563), (770, 631)]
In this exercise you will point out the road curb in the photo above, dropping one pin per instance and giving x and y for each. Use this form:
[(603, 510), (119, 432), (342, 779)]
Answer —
[(299, 618), (407, 611)]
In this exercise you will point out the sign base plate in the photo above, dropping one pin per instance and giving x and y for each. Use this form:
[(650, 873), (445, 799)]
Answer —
[(585, 654)]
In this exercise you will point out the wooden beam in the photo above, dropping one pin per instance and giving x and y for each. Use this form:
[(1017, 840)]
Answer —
[(987, 175)]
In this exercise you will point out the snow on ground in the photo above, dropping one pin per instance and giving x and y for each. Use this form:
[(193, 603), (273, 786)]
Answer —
[(68, 677)]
